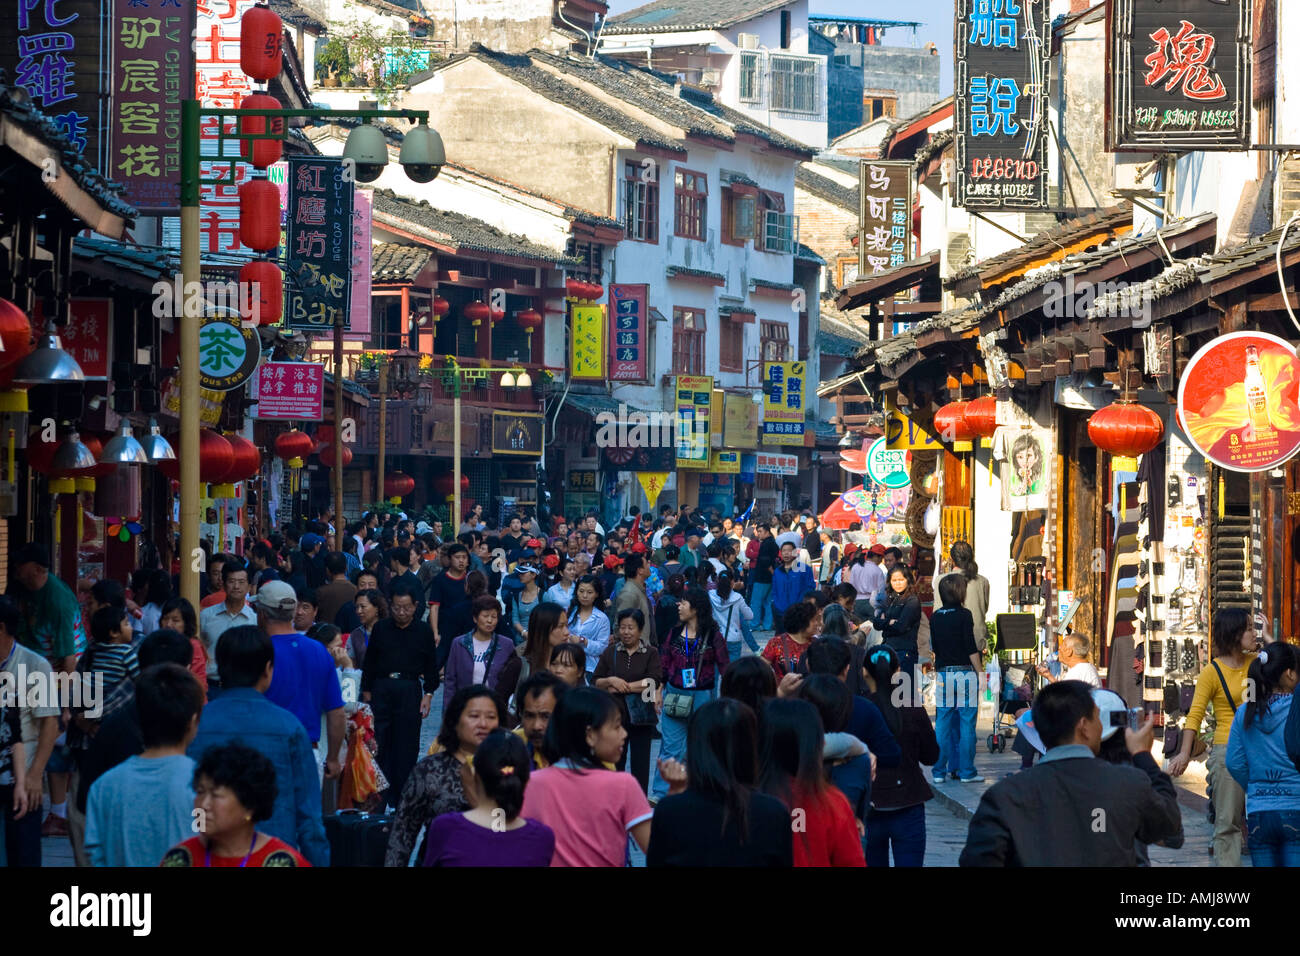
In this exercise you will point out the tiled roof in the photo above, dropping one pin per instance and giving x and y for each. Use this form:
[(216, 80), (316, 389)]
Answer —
[(774, 286), (804, 254), (397, 262), (599, 403), (937, 143), (823, 187), (292, 13), (461, 231), (591, 218), (673, 16), (878, 285), (1067, 233), (838, 335), (16, 105), (674, 271)]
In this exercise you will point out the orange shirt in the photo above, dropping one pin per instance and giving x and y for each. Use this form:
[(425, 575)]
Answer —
[(216, 597), (192, 852)]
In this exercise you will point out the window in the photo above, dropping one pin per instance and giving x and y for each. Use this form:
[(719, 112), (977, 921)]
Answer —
[(691, 194), (640, 202), (731, 345), (738, 204), (774, 341), (590, 255), (749, 91), (780, 230), (688, 341), (878, 106), (785, 29), (794, 84)]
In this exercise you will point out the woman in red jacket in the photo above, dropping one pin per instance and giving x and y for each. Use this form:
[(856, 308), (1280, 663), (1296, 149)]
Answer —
[(825, 830)]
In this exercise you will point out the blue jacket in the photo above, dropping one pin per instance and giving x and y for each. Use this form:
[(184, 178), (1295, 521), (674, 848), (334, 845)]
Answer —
[(792, 586), (242, 715), (1257, 759)]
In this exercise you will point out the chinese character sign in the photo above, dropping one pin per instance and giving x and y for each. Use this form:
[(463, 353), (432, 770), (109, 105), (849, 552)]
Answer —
[(629, 309), (885, 194), (359, 322), (290, 391), (318, 236), (770, 463), (1178, 75), (783, 402), (587, 343), (85, 337), (1003, 52), (145, 128), (694, 404), (53, 49)]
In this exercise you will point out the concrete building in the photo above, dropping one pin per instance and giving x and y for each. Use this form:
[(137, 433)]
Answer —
[(752, 55)]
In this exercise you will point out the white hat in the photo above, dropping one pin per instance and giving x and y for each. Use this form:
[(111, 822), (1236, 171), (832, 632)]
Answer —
[(1109, 704)]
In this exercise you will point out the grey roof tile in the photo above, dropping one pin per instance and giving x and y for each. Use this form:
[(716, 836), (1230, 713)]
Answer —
[(823, 187), (670, 16), (397, 262)]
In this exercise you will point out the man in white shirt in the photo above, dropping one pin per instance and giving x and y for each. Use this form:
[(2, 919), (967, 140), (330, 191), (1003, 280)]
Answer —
[(1075, 649), (219, 618)]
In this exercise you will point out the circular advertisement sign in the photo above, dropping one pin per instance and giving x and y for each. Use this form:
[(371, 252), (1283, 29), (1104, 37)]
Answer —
[(884, 467), (1239, 401), (229, 353)]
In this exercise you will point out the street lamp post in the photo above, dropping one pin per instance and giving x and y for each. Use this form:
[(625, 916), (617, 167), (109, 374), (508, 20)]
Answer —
[(422, 156)]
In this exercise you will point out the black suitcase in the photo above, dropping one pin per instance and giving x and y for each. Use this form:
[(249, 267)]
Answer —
[(357, 838)]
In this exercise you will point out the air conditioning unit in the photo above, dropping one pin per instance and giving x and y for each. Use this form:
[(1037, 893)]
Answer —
[(709, 79), (747, 41)]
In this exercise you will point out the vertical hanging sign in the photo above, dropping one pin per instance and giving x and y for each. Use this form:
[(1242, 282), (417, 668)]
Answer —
[(627, 334), (1003, 55), (694, 405), (884, 215), (783, 403), (587, 342), (318, 236), (1178, 75)]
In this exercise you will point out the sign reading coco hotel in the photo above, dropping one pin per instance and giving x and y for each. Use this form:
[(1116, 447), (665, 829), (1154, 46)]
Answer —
[(1239, 401), (1178, 75), (1003, 53)]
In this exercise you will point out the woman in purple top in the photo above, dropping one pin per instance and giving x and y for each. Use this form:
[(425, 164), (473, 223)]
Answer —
[(491, 832)]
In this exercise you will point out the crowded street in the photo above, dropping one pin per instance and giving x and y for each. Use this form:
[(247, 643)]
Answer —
[(686, 433)]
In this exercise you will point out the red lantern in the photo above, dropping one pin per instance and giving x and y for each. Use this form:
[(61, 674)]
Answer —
[(439, 307), (398, 485), (950, 423), (259, 214), (326, 456), (40, 453), (248, 458), (293, 444), (324, 436), (573, 289), (595, 290), (1126, 430), (264, 152), (476, 312), (444, 484), (261, 282), (529, 319), (982, 416), (216, 457), (260, 36), (497, 315), (15, 334)]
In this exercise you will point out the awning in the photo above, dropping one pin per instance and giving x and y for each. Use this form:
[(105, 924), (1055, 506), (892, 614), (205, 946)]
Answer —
[(837, 385), (593, 405), (883, 285)]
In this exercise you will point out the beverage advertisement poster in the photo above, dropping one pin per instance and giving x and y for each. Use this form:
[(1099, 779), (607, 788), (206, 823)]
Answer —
[(1238, 401)]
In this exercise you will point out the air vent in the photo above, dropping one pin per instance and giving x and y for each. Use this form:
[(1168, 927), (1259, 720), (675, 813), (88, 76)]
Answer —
[(747, 41)]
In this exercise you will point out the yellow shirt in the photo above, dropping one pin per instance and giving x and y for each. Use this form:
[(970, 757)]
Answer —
[(1209, 691)]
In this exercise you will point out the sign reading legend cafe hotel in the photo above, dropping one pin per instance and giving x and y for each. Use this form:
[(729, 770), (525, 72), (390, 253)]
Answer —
[(1178, 75), (1003, 52)]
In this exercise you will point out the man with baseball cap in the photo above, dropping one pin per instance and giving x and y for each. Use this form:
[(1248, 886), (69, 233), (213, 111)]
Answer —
[(304, 681), (1073, 809)]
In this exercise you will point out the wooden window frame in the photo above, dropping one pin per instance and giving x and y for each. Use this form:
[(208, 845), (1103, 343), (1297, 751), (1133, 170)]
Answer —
[(773, 334), (640, 195), (731, 194), (731, 345), (689, 344), (690, 204)]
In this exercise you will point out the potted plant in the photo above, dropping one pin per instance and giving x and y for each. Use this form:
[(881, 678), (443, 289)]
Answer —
[(333, 61)]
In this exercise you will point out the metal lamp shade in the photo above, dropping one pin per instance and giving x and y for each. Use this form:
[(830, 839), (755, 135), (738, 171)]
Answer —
[(72, 455), (48, 364), (123, 449), (157, 448)]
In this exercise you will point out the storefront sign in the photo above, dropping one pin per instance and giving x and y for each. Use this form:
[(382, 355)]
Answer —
[(739, 421), (290, 391), (1178, 75), (885, 467), (54, 49), (582, 481), (725, 462), (885, 194), (86, 335), (639, 459), (228, 353), (219, 82), (717, 491), (627, 339), (783, 403), (318, 273), (770, 463), (154, 53), (1003, 58), (516, 433), (362, 217), (587, 343), (210, 402), (693, 404), (1238, 401), (652, 483), (903, 434)]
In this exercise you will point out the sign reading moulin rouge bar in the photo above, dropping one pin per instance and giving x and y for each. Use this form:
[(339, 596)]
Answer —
[(1239, 401), (318, 236), (884, 214), (1178, 75), (1003, 51), (627, 335)]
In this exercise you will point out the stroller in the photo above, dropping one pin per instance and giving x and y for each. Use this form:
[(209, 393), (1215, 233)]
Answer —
[(1017, 656)]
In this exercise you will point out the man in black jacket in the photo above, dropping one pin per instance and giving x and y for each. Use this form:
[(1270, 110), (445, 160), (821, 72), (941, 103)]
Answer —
[(1073, 809)]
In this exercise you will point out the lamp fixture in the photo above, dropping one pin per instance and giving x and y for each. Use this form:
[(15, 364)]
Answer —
[(72, 455), (48, 363), (508, 380), (156, 447), (123, 449), (525, 380)]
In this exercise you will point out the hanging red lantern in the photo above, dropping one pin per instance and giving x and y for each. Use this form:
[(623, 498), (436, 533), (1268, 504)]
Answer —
[(572, 289), (529, 319), (248, 458), (259, 214), (326, 456), (950, 423), (15, 334), (444, 484), (476, 312), (1126, 430), (262, 152), (216, 457), (594, 291), (439, 307), (40, 453), (261, 283), (260, 35), (497, 315), (324, 436), (982, 416), (294, 444), (398, 484)]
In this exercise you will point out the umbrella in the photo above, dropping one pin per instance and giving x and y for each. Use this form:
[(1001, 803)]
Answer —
[(856, 504), (854, 461)]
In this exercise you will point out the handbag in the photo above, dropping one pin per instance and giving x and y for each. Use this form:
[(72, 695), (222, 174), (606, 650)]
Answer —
[(677, 703), (640, 712)]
